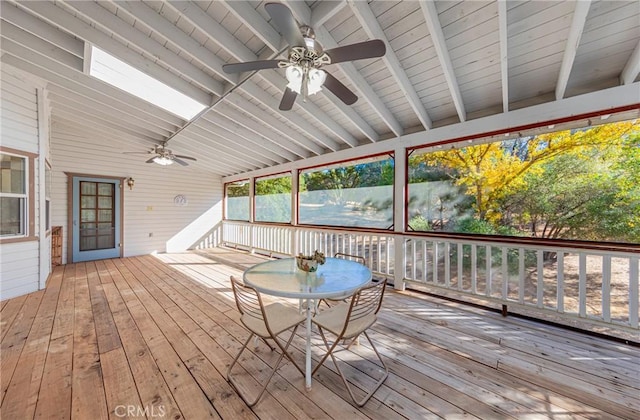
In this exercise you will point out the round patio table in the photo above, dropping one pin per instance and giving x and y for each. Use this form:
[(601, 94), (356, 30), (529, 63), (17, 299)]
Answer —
[(335, 278)]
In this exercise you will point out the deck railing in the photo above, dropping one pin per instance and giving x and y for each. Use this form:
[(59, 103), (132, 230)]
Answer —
[(564, 284)]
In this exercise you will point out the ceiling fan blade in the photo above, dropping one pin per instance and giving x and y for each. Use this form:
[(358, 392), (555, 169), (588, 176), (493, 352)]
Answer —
[(180, 161), (135, 153), (150, 160), (186, 157), (336, 87), (250, 66), (359, 51), (285, 23), (288, 99)]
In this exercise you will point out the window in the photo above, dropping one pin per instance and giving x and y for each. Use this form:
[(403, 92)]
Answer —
[(577, 184), (273, 199), (237, 194), (13, 195), (352, 194)]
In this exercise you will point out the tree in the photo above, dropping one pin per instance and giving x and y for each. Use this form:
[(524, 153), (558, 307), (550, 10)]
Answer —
[(582, 195), (490, 172)]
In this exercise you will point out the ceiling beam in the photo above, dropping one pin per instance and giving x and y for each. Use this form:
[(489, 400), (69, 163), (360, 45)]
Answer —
[(245, 13), (81, 102), (504, 53), (573, 41), (24, 20), (632, 68), (156, 22), (115, 126), (437, 37), (371, 26), (325, 10), (59, 17), (363, 88), (260, 138), (251, 143), (296, 143), (15, 38), (214, 145)]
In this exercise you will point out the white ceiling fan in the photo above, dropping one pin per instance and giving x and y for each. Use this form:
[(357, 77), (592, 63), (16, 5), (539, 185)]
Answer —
[(164, 156), (306, 58)]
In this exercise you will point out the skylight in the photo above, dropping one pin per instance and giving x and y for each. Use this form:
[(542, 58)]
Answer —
[(121, 75)]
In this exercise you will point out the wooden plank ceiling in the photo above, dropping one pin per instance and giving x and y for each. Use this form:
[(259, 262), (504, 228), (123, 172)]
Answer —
[(447, 62)]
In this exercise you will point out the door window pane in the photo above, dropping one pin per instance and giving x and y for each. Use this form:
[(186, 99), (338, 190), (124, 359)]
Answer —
[(106, 241), (104, 215), (88, 188), (87, 215), (88, 202), (105, 189), (105, 202)]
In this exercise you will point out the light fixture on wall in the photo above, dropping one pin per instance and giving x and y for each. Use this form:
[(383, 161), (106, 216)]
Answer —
[(130, 182)]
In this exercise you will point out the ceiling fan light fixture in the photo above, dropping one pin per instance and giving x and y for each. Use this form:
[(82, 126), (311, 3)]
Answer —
[(294, 76), (162, 160), (316, 80)]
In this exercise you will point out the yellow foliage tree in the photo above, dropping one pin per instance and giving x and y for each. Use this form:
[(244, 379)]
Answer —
[(491, 171)]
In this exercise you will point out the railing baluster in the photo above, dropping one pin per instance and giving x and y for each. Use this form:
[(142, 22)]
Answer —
[(606, 288), (447, 264), (505, 275), (488, 282), (424, 261), (474, 269), (435, 262), (582, 285), (460, 272), (540, 287), (521, 274), (633, 291), (560, 283)]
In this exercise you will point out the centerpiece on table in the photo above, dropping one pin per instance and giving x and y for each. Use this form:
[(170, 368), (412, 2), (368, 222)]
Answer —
[(310, 263)]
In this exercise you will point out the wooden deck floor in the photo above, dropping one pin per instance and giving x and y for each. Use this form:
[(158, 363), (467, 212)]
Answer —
[(153, 336)]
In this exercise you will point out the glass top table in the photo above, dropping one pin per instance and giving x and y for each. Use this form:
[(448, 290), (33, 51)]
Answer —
[(335, 278)]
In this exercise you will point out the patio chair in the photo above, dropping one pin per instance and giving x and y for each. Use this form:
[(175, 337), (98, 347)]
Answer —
[(357, 258), (347, 321), (266, 322)]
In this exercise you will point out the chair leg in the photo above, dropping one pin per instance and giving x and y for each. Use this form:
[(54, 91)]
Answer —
[(378, 384), (284, 353)]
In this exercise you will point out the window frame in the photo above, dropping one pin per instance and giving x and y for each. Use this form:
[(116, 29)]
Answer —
[(28, 196), (226, 200), (390, 154), (255, 195)]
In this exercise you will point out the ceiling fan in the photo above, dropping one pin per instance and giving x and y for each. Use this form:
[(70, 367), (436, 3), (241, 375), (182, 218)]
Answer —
[(306, 59), (164, 156)]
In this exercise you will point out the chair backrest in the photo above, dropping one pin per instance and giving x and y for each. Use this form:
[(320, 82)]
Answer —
[(366, 302), (356, 258), (248, 299)]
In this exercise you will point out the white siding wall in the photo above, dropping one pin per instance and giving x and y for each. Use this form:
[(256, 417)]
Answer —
[(19, 262), (152, 222)]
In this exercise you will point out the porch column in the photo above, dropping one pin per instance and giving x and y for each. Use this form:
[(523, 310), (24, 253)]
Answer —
[(399, 201), (295, 184)]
